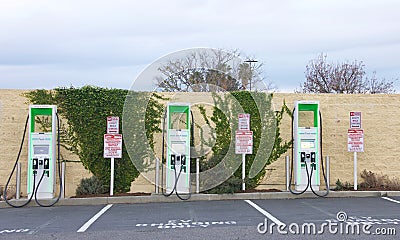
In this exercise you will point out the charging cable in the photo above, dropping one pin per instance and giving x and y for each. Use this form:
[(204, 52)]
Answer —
[(12, 173)]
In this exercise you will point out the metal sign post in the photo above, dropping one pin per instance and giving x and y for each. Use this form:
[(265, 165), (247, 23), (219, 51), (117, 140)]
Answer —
[(112, 146), (355, 140), (355, 171), (244, 142), (355, 143), (112, 178), (243, 171)]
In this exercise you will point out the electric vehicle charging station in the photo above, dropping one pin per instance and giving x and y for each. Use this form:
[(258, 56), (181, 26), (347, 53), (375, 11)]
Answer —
[(42, 153), (307, 149), (178, 130), (41, 174), (306, 145)]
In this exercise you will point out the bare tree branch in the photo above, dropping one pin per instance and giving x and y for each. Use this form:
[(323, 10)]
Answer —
[(347, 77), (198, 70)]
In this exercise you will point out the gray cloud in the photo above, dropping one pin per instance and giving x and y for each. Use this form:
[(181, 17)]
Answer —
[(46, 44)]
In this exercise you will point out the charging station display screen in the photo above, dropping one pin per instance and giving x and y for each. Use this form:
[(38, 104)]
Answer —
[(307, 143), (179, 148), (40, 149)]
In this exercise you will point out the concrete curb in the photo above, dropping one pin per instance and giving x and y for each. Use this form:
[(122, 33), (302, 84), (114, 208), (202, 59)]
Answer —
[(202, 197)]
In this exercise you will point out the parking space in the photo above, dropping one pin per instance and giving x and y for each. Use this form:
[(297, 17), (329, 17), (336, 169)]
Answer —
[(314, 210), (236, 219), (178, 216), (34, 220)]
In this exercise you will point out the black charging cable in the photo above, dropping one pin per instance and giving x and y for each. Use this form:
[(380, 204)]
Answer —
[(164, 160), (322, 163), (12, 173)]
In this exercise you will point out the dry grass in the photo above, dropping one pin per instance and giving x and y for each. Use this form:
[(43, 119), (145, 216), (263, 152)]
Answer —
[(11, 192), (373, 181)]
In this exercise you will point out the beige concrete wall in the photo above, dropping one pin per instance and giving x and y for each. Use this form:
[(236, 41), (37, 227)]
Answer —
[(380, 119)]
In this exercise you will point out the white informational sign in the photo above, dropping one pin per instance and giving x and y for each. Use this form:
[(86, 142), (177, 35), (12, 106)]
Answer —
[(355, 140), (112, 145), (244, 121), (112, 125), (355, 120), (244, 142)]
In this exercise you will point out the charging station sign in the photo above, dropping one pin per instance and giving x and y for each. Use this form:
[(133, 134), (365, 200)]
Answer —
[(355, 120), (355, 140), (244, 142), (112, 125), (244, 121), (112, 145)]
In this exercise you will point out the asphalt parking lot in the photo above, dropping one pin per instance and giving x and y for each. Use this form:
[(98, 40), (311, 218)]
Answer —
[(229, 219)]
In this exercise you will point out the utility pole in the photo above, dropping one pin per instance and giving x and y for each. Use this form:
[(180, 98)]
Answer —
[(249, 61)]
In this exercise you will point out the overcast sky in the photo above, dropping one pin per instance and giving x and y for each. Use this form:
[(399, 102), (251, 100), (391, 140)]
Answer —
[(50, 43)]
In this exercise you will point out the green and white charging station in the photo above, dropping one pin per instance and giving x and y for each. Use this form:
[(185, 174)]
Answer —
[(42, 152), (178, 148), (306, 133)]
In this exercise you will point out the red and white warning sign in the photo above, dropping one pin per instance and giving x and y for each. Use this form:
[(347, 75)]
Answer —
[(244, 142), (112, 124), (112, 145), (355, 140)]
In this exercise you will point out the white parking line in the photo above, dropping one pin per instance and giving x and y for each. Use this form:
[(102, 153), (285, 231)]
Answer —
[(94, 218), (392, 200), (265, 213)]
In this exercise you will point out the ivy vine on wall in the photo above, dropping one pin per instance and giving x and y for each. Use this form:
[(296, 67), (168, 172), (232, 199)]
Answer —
[(86, 109)]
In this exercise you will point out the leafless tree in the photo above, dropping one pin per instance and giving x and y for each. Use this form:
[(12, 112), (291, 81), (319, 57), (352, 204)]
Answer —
[(347, 77), (204, 71), (374, 85)]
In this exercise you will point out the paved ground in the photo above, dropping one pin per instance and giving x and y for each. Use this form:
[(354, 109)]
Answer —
[(233, 219)]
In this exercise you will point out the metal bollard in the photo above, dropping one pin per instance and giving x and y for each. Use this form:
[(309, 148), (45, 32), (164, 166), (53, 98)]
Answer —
[(197, 175), (63, 179), (327, 163), (287, 162), (18, 184), (157, 175)]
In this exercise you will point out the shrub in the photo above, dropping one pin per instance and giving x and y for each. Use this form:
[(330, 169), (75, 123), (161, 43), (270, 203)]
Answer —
[(231, 185), (376, 181), (372, 181), (92, 185), (11, 192), (343, 186)]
